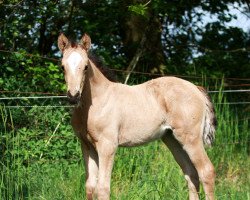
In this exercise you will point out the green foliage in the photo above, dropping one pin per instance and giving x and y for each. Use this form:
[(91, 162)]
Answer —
[(116, 28), (41, 136), (21, 72)]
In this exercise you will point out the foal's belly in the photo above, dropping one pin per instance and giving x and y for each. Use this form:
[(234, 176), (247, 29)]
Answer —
[(138, 137), (141, 115)]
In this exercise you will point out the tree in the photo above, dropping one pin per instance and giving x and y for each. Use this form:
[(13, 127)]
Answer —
[(167, 34)]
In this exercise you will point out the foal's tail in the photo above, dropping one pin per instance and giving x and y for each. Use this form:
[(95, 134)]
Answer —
[(210, 122)]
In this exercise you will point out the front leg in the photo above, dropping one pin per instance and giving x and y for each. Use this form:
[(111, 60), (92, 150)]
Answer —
[(91, 167), (89, 153), (106, 151)]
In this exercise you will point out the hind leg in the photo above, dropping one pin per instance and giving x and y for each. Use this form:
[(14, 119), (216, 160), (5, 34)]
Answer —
[(192, 143), (185, 163)]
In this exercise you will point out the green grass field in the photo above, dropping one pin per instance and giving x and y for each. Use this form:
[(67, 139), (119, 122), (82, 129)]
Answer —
[(41, 160)]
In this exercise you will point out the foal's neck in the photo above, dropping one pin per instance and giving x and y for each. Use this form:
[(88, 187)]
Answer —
[(98, 83)]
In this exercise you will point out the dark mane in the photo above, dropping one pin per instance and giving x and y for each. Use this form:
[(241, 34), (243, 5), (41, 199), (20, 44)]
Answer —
[(109, 74), (74, 45)]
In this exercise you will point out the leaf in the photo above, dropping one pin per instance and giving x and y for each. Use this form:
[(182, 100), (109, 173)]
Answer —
[(139, 9), (10, 69)]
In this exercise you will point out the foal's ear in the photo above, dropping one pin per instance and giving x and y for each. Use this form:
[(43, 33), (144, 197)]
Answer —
[(62, 42), (86, 42)]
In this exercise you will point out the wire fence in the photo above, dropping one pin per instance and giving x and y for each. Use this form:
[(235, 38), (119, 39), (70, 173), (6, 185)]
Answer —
[(64, 97)]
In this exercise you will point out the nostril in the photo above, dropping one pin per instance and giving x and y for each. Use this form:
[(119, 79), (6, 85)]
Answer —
[(69, 94), (75, 96), (73, 99)]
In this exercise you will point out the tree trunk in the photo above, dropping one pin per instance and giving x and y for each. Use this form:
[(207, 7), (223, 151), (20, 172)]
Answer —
[(133, 29), (42, 38)]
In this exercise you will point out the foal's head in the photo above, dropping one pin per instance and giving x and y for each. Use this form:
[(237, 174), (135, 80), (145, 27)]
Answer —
[(75, 63)]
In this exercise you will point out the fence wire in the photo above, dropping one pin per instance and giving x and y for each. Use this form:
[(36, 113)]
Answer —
[(64, 97)]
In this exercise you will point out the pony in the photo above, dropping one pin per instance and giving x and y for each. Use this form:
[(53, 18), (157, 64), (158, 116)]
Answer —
[(108, 115)]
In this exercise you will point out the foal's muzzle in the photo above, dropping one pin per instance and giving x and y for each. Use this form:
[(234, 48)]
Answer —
[(73, 99)]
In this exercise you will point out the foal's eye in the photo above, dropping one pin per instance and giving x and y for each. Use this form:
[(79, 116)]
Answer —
[(86, 67), (62, 67)]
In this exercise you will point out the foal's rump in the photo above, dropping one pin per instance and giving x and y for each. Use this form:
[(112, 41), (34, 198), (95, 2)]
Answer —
[(186, 105)]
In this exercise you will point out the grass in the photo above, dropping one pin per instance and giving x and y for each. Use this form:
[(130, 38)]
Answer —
[(147, 172)]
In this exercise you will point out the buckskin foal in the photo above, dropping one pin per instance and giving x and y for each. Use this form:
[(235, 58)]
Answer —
[(108, 115)]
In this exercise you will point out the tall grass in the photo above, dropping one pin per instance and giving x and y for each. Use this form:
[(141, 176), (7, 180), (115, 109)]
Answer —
[(147, 172), (10, 175)]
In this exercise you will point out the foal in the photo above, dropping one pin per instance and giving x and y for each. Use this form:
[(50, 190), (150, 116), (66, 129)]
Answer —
[(108, 115)]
